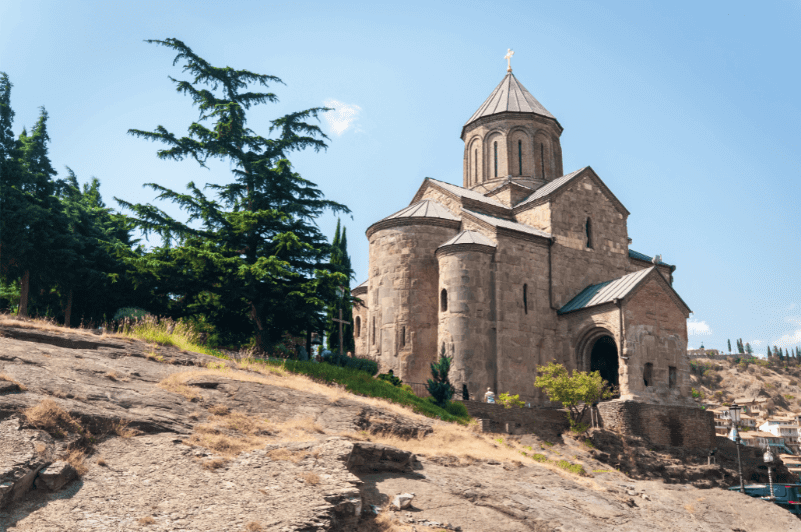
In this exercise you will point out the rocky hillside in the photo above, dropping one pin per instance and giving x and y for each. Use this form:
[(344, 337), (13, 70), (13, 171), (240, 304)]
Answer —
[(105, 433), (724, 380)]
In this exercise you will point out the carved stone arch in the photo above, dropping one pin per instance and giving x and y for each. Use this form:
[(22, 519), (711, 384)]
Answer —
[(522, 134), (601, 343), (544, 156), (475, 158), (495, 154)]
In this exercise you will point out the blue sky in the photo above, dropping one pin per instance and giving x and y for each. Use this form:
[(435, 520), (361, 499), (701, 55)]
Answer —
[(689, 111)]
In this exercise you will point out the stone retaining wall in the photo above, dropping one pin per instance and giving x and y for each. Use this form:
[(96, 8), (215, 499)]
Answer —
[(496, 418), (670, 425)]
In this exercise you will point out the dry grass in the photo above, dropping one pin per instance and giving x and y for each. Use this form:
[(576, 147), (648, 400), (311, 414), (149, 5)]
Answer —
[(273, 376), (311, 479), (112, 376), (122, 429), (385, 521), (146, 520), (175, 383), (253, 526), (219, 410), (4, 377), (213, 464), (101, 462), (77, 459), (287, 455), (51, 418), (194, 416), (40, 448)]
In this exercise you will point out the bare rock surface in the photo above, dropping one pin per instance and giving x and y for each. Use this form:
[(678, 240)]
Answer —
[(158, 481)]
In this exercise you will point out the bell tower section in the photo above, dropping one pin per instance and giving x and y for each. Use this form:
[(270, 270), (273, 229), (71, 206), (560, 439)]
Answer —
[(511, 137)]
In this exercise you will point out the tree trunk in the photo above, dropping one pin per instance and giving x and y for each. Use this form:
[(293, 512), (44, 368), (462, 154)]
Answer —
[(25, 287), (308, 344), (254, 315), (68, 310)]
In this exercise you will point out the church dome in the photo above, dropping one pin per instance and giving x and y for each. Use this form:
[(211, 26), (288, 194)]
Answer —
[(510, 96)]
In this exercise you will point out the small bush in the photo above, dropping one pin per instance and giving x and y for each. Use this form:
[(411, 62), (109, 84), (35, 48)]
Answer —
[(457, 409), (361, 364), (537, 457), (51, 418), (392, 379), (508, 401), (576, 469)]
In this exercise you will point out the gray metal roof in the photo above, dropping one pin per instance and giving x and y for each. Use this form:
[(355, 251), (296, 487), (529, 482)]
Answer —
[(640, 256), (467, 193), (607, 292), (514, 226), (550, 187), (510, 96), (426, 208), (469, 237)]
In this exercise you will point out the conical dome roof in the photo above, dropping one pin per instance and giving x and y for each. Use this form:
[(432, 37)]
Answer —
[(510, 96)]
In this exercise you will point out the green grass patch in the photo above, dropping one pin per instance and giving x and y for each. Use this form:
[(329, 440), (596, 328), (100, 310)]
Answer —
[(362, 383), (576, 469), (537, 457), (164, 331)]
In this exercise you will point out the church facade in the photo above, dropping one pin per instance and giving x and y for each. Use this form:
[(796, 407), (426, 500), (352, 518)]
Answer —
[(520, 266)]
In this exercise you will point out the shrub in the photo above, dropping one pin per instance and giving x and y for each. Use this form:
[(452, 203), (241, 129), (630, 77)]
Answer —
[(508, 401), (440, 386), (390, 378), (361, 364), (455, 408), (576, 392)]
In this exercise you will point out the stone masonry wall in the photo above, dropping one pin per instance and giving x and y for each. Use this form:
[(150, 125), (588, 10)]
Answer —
[(403, 298), (672, 425), (656, 333), (542, 421)]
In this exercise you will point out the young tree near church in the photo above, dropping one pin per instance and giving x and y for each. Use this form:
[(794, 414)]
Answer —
[(729, 345), (254, 254)]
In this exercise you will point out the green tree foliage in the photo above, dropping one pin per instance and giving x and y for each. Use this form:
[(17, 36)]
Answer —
[(439, 385), (251, 261), (748, 349), (577, 391), (340, 262), (729, 340)]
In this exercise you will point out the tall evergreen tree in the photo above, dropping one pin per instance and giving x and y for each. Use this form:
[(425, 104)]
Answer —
[(748, 349), (729, 340), (340, 261), (255, 254)]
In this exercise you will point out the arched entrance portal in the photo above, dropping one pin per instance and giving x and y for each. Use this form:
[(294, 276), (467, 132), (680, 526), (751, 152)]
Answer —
[(603, 358)]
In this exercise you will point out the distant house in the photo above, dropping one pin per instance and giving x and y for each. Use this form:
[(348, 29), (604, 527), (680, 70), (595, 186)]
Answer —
[(761, 439), (753, 405), (784, 427)]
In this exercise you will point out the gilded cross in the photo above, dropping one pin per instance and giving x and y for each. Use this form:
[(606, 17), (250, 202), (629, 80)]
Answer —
[(508, 57)]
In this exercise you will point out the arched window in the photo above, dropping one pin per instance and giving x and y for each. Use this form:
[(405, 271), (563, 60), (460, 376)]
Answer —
[(525, 298), (647, 374), (519, 157), (495, 147), (443, 300), (358, 326), (475, 167), (588, 233), (373, 330), (403, 336)]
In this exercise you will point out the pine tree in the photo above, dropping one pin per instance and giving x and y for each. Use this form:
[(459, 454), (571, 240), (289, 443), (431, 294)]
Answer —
[(769, 353), (729, 345), (748, 349), (255, 255), (340, 260)]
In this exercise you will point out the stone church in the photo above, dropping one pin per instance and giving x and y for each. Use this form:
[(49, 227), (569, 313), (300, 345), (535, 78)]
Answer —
[(521, 265)]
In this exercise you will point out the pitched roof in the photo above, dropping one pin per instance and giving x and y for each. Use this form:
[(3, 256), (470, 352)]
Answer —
[(559, 184), (361, 284), (551, 187), (426, 208), (469, 237), (510, 96), (467, 193), (599, 294), (507, 224)]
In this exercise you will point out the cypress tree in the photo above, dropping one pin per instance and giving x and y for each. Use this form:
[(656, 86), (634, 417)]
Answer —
[(729, 340), (255, 263)]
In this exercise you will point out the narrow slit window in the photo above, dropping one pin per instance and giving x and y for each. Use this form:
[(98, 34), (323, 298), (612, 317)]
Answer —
[(358, 326), (403, 337), (443, 300), (542, 161), (373, 330), (525, 298), (588, 233), (647, 374), (495, 147), (672, 377), (475, 167), (519, 157)]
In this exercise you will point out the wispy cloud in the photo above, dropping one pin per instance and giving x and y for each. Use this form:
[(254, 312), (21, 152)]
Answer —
[(698, 328), (342, 117), (756, 343), (793, 337)]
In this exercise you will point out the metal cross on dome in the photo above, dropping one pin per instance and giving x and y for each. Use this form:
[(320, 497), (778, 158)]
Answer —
[(508, 57)]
